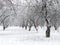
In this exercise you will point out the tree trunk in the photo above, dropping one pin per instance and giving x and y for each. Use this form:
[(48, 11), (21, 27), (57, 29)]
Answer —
[(30, 28), (44, 9), (55, 27), (48, 31), (3, 28)]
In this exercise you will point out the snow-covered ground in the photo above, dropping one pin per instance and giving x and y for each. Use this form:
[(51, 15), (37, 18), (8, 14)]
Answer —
[(19, 36)]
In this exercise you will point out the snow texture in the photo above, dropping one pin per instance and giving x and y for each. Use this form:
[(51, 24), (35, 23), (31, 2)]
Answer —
[(20, 36)]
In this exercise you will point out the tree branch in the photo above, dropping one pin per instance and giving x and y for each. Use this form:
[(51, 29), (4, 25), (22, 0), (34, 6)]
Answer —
[(12, 6)]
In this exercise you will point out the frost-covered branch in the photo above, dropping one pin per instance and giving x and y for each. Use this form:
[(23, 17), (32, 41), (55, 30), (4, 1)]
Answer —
[(13, 7)]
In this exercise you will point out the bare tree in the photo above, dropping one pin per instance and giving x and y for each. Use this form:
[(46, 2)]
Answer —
[(6, 12), (47, 11)]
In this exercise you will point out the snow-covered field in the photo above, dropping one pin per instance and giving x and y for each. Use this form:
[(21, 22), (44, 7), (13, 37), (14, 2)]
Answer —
[(19, 36)]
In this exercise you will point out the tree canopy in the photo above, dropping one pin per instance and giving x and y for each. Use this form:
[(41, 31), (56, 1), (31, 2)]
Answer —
[(29, 12)]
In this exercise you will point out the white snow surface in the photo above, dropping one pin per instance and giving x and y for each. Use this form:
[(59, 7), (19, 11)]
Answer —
[(20, 36)]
